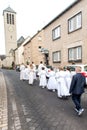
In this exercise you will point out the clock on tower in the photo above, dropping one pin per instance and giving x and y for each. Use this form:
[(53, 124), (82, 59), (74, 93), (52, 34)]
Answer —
[(10, 29)]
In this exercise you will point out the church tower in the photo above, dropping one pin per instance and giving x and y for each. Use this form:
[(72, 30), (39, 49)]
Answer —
[(10, 35)]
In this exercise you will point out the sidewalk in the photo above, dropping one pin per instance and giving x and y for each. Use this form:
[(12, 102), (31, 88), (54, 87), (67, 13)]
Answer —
[(3, 104)]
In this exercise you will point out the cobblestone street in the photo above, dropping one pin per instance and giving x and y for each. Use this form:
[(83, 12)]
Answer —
[(25, 107)]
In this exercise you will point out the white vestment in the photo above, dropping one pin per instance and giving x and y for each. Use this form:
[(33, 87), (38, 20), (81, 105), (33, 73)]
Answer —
[(42, 78), (62, 89), (40, 67), (26, 74), (68, 78), (52, 83), (31, 76), (22, 67), (34, 67)]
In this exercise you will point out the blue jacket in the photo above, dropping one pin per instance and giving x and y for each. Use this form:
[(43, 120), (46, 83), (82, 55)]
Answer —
[(78, 84)]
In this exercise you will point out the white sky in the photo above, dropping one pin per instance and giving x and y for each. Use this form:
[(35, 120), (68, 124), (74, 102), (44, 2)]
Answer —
[(32, 15)]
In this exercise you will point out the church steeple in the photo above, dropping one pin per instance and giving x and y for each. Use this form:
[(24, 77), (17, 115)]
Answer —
[(9, 9), (10, 33)]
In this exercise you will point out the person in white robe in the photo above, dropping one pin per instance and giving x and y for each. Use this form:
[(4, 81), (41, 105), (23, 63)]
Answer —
[(22, 67), (34, 67), (40, 66), (52, 83), (42, 78), (68, 78), (31, 75), (62, 90), (26, 73)]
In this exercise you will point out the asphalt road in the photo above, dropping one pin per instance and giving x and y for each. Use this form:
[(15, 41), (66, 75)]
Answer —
[(34, 108)]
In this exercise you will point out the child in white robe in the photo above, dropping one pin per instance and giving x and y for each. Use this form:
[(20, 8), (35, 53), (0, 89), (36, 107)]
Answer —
[(22, 67), (52, 83), (40, 66), (62, 90), (31, 75), (26, 73), (42, 78), (68, 78), (34, 66)]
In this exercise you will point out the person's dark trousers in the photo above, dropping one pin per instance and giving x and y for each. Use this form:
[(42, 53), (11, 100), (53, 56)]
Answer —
[(77, 100)]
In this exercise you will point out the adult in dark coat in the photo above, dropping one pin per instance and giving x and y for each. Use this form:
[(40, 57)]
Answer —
[(77, 89)]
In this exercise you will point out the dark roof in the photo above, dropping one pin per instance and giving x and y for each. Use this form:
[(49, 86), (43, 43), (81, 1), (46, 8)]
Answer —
[(20, 41), (63, 12), (9, 9)]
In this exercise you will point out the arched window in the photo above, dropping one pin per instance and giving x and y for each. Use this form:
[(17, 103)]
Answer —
[(10, 18), (7, 18)]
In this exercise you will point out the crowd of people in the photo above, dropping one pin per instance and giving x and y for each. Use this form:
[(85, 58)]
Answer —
[(59, 80)]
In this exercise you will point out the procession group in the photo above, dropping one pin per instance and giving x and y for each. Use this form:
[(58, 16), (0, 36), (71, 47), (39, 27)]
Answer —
[(57, 79), (50, 78)]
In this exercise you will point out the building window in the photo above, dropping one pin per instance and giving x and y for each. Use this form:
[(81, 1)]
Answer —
[(7, 18), (56, 33), (57, 56), (10, 18), (75, 54), (75, 22)]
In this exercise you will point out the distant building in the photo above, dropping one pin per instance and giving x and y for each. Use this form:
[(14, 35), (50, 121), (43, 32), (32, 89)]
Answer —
[(19, 51)]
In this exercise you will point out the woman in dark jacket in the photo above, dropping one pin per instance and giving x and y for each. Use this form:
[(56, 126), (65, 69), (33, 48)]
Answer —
[(77, 89)]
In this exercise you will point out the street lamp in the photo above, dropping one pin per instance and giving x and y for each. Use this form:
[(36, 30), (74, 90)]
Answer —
[(45, 52)]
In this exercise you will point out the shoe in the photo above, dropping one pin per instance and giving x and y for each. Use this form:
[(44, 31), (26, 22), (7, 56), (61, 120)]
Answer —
[(53, 90), (64, 97), (80, 112), (59, 96)]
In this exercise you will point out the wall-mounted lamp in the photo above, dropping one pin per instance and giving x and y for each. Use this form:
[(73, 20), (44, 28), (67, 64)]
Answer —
[(39, 48), (43, 50)]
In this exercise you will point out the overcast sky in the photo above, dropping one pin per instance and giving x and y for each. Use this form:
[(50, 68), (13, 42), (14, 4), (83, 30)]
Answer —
[(32, 15)]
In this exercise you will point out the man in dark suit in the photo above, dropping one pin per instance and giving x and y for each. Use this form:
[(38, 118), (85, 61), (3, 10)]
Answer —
[(77, 89)]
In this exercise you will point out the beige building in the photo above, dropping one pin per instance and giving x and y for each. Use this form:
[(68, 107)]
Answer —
[(66, 36), (10, 35), (34, 49), (19, 51)]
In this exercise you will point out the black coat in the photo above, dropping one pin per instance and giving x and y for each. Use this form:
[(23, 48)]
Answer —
[(78, 84)]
